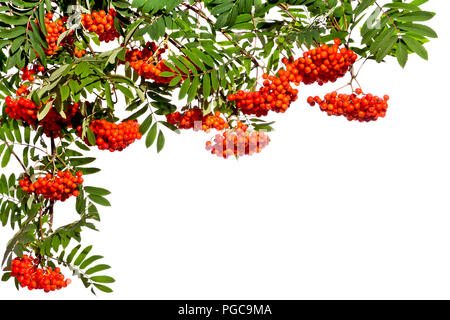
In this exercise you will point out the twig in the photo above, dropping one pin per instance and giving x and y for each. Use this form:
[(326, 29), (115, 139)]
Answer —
[(18, 159), (245, 52), (384, 12), (52, 202), (285, 8), (89, 45)]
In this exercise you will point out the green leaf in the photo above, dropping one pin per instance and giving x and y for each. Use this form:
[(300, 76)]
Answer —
[(206, 85), (100, 200), (89, 261), (97, 191), (417, 16), (58, 73), (6, 276), (103, 279), (7, 156), (14, 19), (146, 125), (103, 288), (193, 89), (184, 89), (43, 112), (73, 253), (12, 33), (108, 95), (91, 136), (151, 136), (215, 80), (416, 46), (98, 268), (161, 141), (56, 241), (402, 54), (402, 6), (87, 171), (419, 29), (81, 161), (175, 81), (386, 47), (65, 91), (82, 146), (126, 92), (82, 255)]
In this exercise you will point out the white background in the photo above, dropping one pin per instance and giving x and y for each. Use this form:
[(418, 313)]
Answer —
[(330, 210)]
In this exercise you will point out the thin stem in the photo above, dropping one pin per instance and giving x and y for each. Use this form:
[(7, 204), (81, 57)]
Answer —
[(89, 45), (18, 159), (30, 146), (285, 8), (384, 13), (52, 202), (334, 21)]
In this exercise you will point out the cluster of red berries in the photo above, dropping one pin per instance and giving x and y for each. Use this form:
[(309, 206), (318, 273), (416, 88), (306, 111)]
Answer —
[(26, 110), (22, 91), (79, 53), (194, 119), (53, 122), (363, 108), (149, 52), (22, 109), (29, 73), (114, 137), (148, 62), (275, 95), (26, 271), (102, 24), (59, 187), (322, 64), (54, 31), (238, 142)]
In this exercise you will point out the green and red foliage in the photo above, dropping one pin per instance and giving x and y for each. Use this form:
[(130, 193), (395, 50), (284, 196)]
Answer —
[(71, 70)]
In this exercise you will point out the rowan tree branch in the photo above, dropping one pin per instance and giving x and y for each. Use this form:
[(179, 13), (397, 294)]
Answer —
[(204, 16)]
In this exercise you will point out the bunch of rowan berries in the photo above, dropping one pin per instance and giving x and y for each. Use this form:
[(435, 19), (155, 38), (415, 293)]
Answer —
[(28, 74), (145, 61), (114, 137), (54, 187), (27, 273), (102, 24), (355, 106), (148, 62), (195, 119), (27, 111), (79, 53), (149, 52), (54, 31), (322, 64), (237, 142), (53, 122), (22, 109), (22, 91), (275, 95)]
